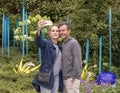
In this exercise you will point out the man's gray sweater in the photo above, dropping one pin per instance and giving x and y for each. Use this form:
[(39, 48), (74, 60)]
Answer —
[(71, 59)]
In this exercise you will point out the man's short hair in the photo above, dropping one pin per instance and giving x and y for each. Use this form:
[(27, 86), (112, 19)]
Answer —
[(64, 23)]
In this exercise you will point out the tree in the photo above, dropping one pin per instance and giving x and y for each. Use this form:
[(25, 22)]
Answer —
[(89, 19)]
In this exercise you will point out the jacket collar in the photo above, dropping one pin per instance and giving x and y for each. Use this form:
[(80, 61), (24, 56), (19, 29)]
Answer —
[(68, 40)]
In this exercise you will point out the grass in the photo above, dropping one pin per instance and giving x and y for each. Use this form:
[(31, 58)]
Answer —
[(11, 82), (14, 83), (17, 83)]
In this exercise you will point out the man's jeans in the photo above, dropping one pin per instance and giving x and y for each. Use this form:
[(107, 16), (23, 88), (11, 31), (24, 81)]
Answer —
[(55, 87), (71, 86)]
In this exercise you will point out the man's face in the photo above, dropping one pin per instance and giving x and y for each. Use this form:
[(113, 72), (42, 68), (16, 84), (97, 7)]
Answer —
[(54, 32), (64, 32)]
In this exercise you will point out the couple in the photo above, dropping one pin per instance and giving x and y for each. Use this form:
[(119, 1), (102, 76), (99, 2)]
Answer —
[(67, 60)]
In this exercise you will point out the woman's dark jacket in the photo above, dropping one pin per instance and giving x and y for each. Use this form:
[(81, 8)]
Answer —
[(48, 56)]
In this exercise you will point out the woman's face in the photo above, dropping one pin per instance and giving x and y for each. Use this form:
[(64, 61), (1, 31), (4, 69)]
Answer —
[(54, 32)]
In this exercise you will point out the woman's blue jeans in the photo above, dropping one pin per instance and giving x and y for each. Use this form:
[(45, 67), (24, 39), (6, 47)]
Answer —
[(55, 87)]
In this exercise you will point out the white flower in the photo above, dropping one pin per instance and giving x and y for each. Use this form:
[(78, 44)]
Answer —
[(29, 64), (17, 37), (25, 36), (94, 65), (30, 38), (16, 31), (29, 22), (84, 61), (20, 23)]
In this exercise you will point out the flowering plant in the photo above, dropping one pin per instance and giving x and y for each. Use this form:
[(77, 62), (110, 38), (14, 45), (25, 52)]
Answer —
[(31, 22), (25, 68), (87, 74), (30, 30)]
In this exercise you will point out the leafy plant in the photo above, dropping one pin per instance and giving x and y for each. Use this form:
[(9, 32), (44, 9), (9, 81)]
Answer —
[(87, 74), (26, 68)]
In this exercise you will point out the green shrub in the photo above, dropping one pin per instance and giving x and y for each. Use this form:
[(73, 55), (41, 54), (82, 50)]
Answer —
[(16, 83)]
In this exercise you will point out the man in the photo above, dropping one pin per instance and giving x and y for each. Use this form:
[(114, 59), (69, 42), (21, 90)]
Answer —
[(71, 59)]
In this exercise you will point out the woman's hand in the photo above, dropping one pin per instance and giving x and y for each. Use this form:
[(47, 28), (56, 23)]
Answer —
[(41, 23)]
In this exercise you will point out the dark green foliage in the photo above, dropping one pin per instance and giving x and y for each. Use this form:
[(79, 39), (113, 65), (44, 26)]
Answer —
[(11, 82), (115, 70), (17, 83), (89, 19)]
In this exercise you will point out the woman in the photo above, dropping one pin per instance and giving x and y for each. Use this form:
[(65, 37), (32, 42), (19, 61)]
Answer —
[(51, 59)]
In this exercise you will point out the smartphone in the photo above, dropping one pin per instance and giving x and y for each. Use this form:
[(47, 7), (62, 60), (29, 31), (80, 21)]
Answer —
[(48, 23)]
